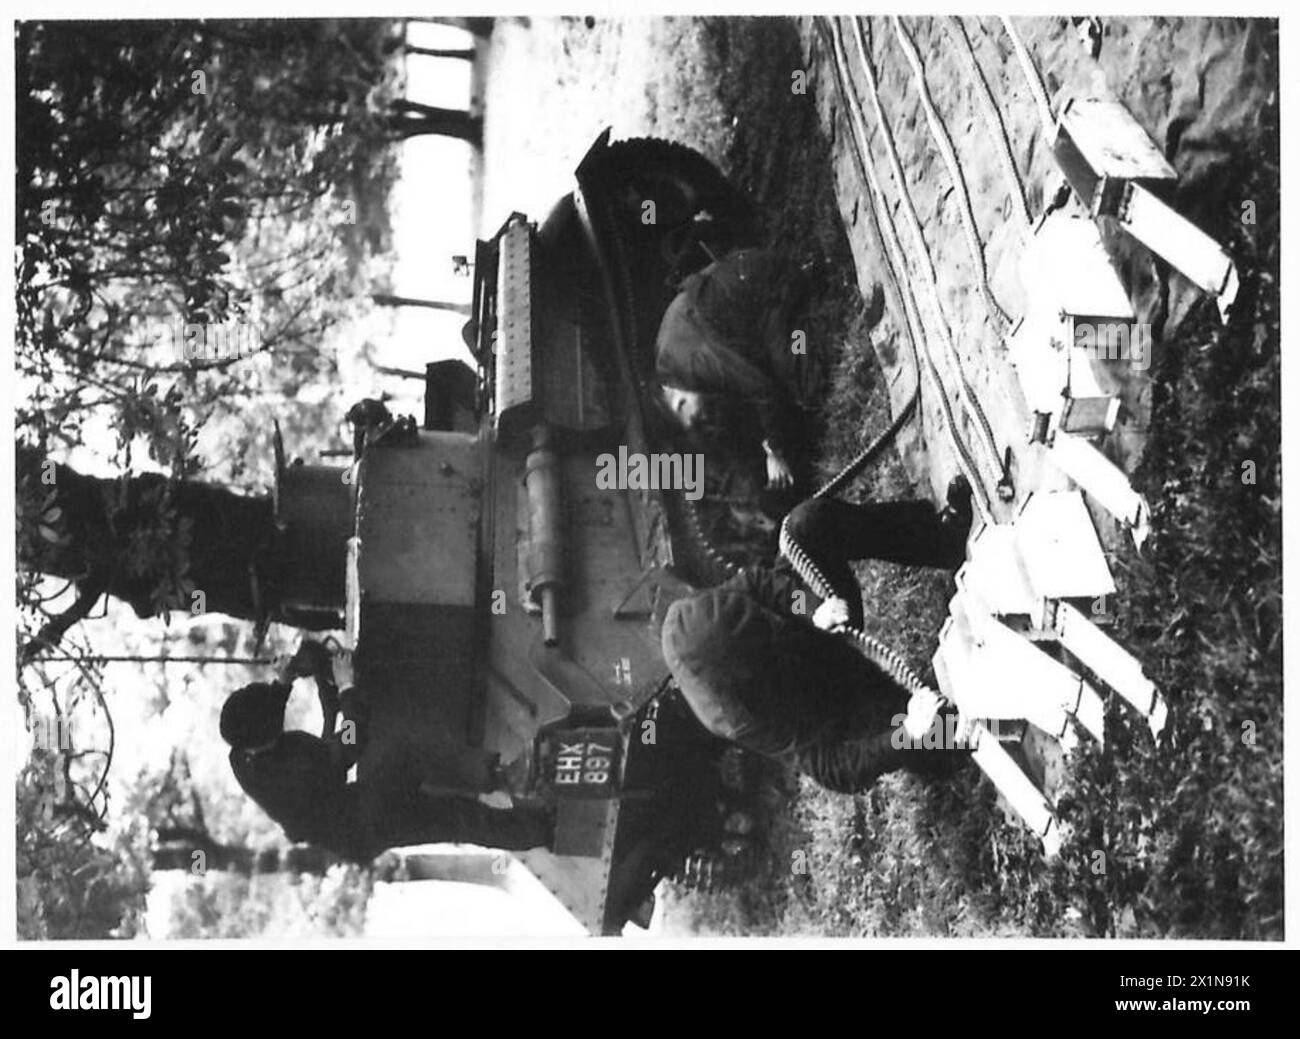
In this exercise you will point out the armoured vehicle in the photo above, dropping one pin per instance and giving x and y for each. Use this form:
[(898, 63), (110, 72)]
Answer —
[(498, 596)]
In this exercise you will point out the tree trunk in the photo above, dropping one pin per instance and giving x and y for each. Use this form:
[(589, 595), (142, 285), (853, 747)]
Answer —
[(432, 52), (194, 851), (198, 859), (231, 546), (410, 119), (386, 300), (462, 126), (479, 27)]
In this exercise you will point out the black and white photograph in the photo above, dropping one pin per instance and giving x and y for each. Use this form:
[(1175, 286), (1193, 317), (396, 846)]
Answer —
[(670, 478)]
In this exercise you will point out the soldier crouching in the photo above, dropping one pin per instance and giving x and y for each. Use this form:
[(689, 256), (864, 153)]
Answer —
[(756, 672)]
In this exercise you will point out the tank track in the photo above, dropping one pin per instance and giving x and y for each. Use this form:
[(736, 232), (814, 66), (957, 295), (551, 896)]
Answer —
[(623, 163)]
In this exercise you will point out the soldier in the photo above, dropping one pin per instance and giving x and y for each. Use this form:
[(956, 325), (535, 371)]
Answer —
[(729, 334), (782, 685), (300, 780)]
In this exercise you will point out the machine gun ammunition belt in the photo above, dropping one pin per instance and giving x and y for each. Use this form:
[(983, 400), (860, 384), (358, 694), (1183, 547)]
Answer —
[(885, 658)]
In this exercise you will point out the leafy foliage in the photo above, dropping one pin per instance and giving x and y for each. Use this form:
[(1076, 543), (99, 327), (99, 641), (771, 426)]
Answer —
[(198, 206), (223, 175), (272, 905), (71, 885)]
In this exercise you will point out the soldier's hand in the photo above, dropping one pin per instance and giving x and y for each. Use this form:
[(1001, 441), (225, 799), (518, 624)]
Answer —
[(832, 614), (309, 658), (779, 474), (283, 666), (343, 673)]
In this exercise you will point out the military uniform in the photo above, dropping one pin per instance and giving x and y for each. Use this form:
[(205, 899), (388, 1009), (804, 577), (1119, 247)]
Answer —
[(729, 331), (761, 675), (301, 782), (833, 532)]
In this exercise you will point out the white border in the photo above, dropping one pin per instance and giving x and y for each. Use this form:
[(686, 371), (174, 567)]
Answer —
[(1289, 103)]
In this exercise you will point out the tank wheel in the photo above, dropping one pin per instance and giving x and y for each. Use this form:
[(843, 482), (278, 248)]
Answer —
[(717, 868), (679, 180)]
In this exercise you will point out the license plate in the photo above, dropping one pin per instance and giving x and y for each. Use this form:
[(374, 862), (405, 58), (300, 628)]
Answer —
[(586, 762)]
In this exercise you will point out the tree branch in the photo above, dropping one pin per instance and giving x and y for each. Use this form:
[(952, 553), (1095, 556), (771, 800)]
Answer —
[(52, 632)]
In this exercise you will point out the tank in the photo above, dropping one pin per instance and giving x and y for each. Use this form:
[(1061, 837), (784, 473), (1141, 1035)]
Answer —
[(497, 594)]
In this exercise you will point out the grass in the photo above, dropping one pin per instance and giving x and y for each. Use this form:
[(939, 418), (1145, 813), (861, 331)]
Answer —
[(1181, 838)]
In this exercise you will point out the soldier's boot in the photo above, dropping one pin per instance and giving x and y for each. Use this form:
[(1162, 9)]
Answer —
[(852, 766), (957, 516)]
